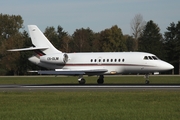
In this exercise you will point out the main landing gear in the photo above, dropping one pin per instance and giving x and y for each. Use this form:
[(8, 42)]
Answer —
[(100, 80), (147, 79), (82, 81)]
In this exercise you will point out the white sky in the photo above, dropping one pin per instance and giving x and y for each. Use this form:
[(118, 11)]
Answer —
[(95, 14)]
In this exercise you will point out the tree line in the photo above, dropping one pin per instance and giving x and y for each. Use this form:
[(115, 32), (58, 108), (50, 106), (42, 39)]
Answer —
[(146, 37)]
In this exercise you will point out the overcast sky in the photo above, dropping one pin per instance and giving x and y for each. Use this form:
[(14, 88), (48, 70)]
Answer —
[(95, 14)]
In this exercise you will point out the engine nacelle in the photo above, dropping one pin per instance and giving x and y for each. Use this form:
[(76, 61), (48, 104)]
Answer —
[(55, 58)]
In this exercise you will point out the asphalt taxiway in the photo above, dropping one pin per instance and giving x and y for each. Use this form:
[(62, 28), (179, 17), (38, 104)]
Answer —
[(76, 87)]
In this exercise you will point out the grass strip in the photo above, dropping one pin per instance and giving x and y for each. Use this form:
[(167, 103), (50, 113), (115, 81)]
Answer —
[(89, 80), (90, 105)]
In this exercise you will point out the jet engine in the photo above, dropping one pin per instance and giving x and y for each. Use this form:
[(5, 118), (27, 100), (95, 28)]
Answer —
[(55, 58)]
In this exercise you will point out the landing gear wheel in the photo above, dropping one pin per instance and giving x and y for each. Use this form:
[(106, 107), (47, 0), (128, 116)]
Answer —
[(82, 81), (147, 82), (100, 81), (147, 79)]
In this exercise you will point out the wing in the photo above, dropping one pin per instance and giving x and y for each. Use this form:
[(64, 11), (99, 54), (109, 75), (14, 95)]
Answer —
[(73, 72)]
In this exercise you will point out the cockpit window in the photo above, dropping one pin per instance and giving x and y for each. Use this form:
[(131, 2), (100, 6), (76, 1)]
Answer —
[(145, 58), (154, 57), (150, 57)]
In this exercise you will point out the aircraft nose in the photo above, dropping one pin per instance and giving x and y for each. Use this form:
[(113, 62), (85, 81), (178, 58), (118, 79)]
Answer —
[(171, 66), (167, 66)]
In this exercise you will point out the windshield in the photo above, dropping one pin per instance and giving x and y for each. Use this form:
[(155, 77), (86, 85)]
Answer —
[(151, 58)]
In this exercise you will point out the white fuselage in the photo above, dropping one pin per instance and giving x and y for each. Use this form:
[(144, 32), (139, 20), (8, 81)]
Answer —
[(114, 62), (98, 63)]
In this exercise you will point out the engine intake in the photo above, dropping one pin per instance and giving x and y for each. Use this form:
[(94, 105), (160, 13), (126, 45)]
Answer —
[(55, 58)]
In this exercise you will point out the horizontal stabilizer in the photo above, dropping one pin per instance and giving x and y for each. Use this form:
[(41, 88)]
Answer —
[(30, 48)]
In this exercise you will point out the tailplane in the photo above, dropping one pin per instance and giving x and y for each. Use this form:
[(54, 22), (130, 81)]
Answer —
[(41, 44), (40, 41)]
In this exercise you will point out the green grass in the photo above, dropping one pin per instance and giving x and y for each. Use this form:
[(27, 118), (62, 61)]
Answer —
[(89, 80), (90, 105)]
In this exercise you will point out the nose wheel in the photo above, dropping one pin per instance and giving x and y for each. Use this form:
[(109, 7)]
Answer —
[(147, 82), (147, 79)]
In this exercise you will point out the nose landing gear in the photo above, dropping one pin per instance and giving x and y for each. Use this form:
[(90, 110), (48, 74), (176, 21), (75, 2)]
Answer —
[(147, 79)]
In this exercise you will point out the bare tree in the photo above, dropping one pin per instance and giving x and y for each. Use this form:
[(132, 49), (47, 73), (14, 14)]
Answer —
[(137, 25)]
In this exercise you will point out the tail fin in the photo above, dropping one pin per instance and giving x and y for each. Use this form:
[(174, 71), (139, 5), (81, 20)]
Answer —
[(40, 41)]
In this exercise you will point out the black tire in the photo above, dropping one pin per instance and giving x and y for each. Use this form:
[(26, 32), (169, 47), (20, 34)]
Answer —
[(100, 81), (147, 82), (82, 82)]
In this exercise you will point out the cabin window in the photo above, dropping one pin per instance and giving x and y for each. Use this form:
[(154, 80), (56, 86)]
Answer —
[(91, 60), (119, 60), (107, 60), (95, 60), (111, 60), (115, 60), (103, 60), (122, 60), (99, 60)]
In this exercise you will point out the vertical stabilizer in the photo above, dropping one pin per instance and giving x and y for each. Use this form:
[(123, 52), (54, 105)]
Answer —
[(39, 40)]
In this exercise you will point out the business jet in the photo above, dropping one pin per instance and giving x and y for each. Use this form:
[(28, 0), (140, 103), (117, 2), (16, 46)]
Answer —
[(90, 63)]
